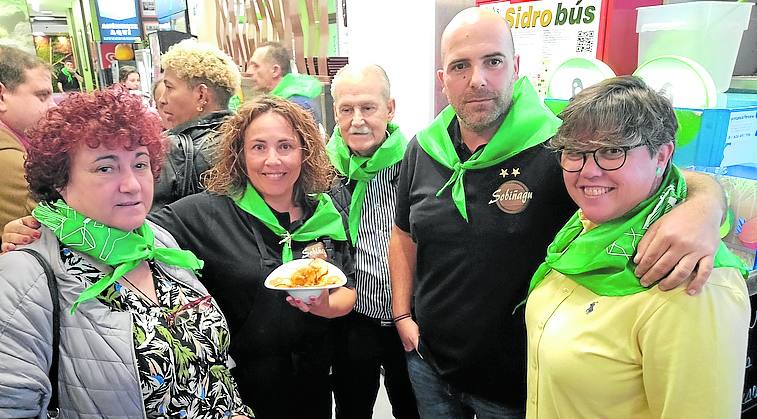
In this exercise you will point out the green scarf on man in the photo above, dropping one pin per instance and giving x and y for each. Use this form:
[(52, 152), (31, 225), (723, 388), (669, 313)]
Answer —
[(326, 221), (527, 123), (601, 259), (122, 250), (69, 76), (364, 169), (297, 85)]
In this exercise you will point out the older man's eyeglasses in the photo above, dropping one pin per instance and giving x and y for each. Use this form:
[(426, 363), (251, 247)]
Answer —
[(607, 158)]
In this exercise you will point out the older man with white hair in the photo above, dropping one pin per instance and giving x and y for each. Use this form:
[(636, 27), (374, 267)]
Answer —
[(366, 148)]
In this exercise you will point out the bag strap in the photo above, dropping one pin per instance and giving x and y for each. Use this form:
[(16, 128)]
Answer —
[(52, 408), (188, 183)]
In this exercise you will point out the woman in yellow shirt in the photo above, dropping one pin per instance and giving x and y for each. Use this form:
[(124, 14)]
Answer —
[(599, 344)]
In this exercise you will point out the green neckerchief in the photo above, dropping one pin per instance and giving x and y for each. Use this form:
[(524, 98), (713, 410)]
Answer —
[(363, 169), (123, 250), (234, 103), (527, 123), (601, 259), (297, 85), (325, 221), (68, 75)]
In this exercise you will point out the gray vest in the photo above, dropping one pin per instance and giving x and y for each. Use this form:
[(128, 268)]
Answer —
[(98, 371)]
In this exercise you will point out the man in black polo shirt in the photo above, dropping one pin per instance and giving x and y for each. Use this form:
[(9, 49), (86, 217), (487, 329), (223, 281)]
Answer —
[(479, 199)]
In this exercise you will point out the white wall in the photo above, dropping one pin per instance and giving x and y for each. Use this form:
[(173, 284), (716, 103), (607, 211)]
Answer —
[(205, 28), (398, 35)]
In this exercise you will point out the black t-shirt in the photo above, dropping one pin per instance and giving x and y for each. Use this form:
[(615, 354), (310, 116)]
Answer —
[(69, 86), (239, 252), (471, 275)]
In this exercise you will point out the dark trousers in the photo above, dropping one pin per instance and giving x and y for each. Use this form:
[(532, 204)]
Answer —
[(439, 399), (286, 387), (362, 346)]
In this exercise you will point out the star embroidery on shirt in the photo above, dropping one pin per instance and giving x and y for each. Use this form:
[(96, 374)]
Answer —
[(516, 171), (503, 173)]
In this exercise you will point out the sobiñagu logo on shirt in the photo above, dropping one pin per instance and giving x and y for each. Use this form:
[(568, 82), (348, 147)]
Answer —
[(513, 196)]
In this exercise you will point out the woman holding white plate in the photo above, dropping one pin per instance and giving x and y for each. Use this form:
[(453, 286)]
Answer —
[(266, 204)]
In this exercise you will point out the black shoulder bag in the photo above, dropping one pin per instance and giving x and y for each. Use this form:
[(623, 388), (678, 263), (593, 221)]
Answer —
[(52, 409), (188, 183)]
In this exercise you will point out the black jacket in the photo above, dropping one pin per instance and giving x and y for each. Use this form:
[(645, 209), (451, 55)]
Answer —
[(192, 146)]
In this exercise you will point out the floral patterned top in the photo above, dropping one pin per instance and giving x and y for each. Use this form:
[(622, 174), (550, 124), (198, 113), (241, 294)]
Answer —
[(181, 346)]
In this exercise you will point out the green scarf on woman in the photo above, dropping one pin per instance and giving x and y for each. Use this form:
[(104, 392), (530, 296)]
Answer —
[(601, 259), (297, 85), (364, 169), (326, 221), (527, 123), (122, 250)]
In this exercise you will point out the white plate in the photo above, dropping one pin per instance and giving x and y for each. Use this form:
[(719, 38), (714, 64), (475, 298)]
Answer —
[(304, 293)]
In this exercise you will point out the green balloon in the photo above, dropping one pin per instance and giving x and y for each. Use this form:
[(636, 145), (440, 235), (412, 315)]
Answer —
[(689, 123), (725, 228)]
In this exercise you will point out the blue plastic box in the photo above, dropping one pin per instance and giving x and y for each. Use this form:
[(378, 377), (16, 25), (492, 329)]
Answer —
[(726, 143)]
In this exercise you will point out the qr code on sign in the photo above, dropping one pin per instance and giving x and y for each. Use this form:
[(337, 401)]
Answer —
[(585, 41)]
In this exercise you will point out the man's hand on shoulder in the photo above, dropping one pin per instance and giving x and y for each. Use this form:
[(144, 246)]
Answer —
[(681, 245), (19, 232)]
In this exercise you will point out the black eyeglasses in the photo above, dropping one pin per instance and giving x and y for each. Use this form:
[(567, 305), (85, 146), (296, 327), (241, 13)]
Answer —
[(607, 158)]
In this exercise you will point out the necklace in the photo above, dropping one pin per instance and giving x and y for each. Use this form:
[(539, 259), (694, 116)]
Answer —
[(144, 296)]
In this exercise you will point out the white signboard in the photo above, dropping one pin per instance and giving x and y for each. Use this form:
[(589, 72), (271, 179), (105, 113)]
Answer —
[(548, 32), (741, 139)]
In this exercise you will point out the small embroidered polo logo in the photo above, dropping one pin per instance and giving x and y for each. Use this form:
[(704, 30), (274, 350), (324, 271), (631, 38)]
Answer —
[(590, 308), (512, 197)]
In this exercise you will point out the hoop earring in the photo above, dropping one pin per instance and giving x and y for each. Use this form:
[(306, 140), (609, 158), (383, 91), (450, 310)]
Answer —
[(202, 107)]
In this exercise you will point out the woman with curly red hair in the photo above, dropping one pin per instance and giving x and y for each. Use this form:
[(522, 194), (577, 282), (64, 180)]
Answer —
[(139, 335), (271, 198)]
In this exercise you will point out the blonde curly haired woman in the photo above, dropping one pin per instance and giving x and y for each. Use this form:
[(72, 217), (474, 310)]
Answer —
[(199, 80)]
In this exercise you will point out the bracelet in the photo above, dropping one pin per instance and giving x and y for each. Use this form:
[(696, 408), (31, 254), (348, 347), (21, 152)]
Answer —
[(402, 317)]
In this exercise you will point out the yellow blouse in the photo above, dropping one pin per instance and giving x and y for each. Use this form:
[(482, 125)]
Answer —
[(648, 355)]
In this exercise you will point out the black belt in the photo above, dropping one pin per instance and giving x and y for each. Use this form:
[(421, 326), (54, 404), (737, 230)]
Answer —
[(377, 322)]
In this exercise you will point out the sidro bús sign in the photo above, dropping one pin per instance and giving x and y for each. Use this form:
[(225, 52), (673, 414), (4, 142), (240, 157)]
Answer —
[(527, 16), (548, 32)]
